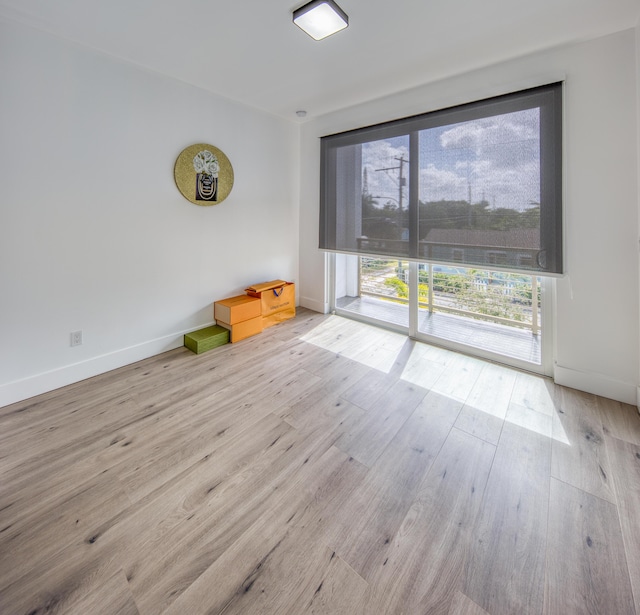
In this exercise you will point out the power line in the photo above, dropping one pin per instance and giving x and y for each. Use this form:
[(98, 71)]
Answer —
[(402, 180)]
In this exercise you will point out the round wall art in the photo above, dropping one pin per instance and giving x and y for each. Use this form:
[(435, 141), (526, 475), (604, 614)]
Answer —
[(203, 174)]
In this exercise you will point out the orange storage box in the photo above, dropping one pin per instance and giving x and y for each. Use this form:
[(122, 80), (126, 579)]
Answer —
[(237, 309), (277, 298), (244, 329)]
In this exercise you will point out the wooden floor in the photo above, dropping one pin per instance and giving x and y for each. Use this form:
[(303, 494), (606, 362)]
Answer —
[(321, 467)]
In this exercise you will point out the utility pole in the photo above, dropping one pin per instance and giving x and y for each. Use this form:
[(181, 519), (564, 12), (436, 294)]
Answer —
[(402, 180), (401, 184)]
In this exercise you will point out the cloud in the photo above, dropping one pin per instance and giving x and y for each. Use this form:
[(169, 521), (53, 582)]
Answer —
[(496, 158), (504, 139), (442, 184)]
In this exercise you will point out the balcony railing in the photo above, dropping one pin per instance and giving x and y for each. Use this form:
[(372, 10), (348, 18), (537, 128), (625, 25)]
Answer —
[(506, 299)]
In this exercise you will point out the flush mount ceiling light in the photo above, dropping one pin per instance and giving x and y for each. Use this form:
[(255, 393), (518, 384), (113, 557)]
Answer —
[(320, 18)]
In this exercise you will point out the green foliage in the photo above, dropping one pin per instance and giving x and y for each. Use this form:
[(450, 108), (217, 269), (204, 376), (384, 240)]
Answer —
[(374, 264), (463, 215), (385, 220), (423, 293), (447, 282), (401, 288)]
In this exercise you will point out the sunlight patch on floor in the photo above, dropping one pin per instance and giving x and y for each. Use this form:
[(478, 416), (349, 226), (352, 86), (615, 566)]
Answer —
[(371, 346), (503, 393), (495, 390)]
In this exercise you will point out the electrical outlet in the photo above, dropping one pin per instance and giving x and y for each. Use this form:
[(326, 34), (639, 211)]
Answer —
[(76, 338)]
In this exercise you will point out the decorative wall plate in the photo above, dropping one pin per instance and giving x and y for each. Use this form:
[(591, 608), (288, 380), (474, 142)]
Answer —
[(203, 174)]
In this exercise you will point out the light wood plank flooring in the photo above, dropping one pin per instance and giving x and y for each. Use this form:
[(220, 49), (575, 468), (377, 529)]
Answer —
[(322, 467)]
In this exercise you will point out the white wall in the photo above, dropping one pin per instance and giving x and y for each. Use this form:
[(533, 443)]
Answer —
[(597, 303), (94, 235)]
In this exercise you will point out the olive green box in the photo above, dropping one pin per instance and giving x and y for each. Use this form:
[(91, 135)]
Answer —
[(206, 339)]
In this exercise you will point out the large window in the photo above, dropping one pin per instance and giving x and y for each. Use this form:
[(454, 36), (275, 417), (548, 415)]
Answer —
[(478, 184)]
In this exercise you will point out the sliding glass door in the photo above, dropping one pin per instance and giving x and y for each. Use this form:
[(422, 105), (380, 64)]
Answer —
[(448, 225)]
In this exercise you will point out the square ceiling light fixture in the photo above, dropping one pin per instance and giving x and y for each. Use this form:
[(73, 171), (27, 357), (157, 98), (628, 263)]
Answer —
[(320, 18)]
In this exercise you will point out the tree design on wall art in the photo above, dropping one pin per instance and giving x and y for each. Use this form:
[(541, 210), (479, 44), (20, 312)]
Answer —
[(203, 174)]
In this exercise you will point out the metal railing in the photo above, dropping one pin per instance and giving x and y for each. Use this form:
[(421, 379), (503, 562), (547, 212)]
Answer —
[(503, 298)]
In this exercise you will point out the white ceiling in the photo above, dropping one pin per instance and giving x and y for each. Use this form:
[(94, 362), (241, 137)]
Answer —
[(250, 51)]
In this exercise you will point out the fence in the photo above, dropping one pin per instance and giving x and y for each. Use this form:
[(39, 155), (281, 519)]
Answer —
[(504, 298)]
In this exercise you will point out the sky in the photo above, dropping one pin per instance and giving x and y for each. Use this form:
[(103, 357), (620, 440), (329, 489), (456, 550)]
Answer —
[(496, 159)]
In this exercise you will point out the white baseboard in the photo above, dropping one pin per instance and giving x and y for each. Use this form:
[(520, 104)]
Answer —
[(598, 384), (25, 388), (313, 304)]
